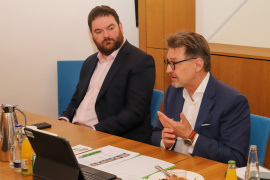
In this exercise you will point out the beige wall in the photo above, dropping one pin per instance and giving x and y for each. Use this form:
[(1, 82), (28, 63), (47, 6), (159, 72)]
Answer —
[(249, 26), (211, 15), (35, 34)]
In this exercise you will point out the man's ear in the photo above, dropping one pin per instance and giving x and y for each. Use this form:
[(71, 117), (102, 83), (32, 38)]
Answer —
[(199, 64), (121, 27)]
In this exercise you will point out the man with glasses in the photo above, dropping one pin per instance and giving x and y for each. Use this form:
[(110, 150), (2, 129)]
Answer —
[(201, 115)]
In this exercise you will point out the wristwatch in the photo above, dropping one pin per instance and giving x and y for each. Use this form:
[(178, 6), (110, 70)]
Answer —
[(189, 140)]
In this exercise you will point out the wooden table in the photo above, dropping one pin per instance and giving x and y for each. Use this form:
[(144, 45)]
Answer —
[(94, 139)]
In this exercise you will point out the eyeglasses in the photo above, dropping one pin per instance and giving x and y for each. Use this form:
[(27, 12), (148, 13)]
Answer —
[(172, 64)]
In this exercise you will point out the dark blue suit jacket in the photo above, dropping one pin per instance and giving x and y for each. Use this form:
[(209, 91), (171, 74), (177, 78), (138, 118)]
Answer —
[(123, 103), (226, 110)]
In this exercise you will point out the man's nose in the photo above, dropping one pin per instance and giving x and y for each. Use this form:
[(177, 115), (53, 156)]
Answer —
[(105, 33), (169, 69)]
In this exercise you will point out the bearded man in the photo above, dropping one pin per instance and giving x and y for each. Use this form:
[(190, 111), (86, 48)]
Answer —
[(115, 87)]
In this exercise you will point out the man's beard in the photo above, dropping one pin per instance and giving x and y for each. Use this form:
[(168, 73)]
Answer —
[(178, 84), (116, 43)]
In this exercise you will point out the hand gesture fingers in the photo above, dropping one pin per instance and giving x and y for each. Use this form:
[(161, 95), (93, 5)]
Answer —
[(183, 118), (168, 137), (165, 121), (182, 128)]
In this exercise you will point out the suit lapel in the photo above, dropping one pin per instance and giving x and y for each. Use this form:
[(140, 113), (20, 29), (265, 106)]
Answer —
[(207, 103), (179, 104), (118, 61)]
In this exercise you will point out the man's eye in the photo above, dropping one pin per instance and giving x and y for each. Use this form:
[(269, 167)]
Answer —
[(98, 32)]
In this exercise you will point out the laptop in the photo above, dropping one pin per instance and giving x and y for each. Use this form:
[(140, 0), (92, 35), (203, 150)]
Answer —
[(56, 160)]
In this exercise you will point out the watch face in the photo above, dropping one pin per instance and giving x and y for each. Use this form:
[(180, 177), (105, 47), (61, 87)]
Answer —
[(188, 142)]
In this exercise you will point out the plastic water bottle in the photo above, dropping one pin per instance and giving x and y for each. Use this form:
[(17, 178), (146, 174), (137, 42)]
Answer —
[(231, 172), (252, 171), (17, 148), (11, 152)]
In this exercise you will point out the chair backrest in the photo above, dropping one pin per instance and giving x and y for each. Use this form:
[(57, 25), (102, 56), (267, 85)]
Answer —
[(260, 129), (155, 105), (68, 73)]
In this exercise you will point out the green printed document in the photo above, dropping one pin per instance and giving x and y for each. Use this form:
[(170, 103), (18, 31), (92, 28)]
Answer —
[(123, 163)]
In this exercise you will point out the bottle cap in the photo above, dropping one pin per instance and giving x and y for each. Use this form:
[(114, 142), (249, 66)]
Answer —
[(253, 147), (18, 125), (231, 162)]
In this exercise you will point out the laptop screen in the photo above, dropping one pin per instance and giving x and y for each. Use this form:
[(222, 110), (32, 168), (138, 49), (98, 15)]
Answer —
[(55, 158)]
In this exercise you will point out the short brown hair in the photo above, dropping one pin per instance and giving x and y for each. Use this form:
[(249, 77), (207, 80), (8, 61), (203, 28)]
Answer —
[(100, 11), (196, 46)]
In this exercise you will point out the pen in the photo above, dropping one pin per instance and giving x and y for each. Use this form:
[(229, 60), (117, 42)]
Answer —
[(90, 154)]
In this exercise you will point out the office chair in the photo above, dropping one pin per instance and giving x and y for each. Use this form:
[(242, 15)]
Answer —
[(155, 105), (68, 73), (260, 129)]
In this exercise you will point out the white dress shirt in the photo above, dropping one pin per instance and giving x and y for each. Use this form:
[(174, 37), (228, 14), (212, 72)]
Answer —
[(191, 109)]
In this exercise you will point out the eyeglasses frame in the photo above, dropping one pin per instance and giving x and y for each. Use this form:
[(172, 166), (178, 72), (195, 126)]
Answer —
[(172, 64)]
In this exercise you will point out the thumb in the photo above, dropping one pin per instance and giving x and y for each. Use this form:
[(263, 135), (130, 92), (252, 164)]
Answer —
[(183, 118)]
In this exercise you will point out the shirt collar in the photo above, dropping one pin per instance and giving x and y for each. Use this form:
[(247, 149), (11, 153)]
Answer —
[(203, 84), (111, 56), (200, 90)]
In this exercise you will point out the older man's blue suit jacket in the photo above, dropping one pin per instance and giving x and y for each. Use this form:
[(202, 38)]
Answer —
[(226, 111)]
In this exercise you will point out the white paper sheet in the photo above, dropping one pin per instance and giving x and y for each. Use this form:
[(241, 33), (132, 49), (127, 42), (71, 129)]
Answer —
[(109, 155), (123, 163), (138, 167)]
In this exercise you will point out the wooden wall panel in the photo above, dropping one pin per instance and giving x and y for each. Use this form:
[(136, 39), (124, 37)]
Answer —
[(247, 69), (242, 74), (163, 79), (158, 18), (179, 15), (265, 90), (249, 76), (155, 23), (167, 78), (158, 55)]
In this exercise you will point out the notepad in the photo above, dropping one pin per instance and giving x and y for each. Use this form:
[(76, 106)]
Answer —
[(123, 163)]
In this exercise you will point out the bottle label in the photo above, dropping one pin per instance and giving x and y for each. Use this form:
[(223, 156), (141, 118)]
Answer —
[(24, 164), (17, 164), (33, 158)]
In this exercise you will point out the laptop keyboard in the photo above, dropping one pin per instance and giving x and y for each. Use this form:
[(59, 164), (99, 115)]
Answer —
[(95, 174), (89, 176)]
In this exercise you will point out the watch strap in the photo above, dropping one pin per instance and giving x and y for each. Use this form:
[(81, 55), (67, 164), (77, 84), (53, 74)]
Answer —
[(189, 140), (192, 135)]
